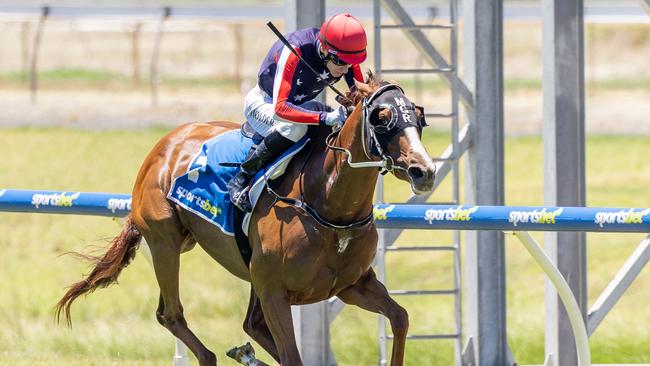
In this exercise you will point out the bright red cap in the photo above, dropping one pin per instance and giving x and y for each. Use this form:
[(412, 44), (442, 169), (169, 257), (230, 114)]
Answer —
[(343, 35)]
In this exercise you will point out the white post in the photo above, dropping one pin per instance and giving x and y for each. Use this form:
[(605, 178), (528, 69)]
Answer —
[(484, 251), (573, 311), (311, 322), (564, 161)]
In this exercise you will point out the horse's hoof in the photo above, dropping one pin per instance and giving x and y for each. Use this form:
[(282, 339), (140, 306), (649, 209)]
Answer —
[(244, 354), (232, 353)]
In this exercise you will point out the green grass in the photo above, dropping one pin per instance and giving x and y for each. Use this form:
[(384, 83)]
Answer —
[(66, 75), (116, 326), (103, 79), (93, 79)]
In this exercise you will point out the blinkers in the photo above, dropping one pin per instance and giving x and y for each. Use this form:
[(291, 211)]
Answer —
[(380, 130)]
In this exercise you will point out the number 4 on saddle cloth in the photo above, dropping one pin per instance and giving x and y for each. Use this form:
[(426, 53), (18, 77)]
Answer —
[(203, 189)]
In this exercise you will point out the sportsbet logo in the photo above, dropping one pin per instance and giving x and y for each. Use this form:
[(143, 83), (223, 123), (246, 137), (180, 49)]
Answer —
[(54, 199), (449, 214), (208, 207), (379, 214), (620, 217), (203, 204), (115, 204), (534, 217)]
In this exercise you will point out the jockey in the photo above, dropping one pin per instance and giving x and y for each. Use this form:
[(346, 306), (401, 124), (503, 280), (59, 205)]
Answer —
[(281, 106)]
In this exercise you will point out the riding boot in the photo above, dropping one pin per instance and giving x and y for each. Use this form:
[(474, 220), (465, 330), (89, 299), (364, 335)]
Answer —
[(270, 148)]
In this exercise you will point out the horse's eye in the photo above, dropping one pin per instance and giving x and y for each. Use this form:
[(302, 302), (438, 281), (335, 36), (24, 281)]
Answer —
[(374, 118), (385, 115), (383, 118)]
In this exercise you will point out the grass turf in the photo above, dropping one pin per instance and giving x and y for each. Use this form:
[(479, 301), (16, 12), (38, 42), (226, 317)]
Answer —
[(116, 326)]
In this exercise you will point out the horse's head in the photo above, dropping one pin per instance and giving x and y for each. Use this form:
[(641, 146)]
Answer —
[(391, 132)]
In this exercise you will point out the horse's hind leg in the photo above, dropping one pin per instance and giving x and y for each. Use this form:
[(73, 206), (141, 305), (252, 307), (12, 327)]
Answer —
[(256, 327), (166, 251)]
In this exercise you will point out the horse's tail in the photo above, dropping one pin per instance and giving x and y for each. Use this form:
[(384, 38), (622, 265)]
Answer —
[(106, 268)]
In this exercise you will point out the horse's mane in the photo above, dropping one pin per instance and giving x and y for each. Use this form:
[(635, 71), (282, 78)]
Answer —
[(354, 96)]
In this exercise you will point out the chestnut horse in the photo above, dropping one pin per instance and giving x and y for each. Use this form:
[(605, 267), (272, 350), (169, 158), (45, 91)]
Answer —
[(299, 255)]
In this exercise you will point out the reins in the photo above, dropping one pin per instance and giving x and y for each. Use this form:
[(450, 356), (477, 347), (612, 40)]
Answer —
[(385, 165), (302, 205)]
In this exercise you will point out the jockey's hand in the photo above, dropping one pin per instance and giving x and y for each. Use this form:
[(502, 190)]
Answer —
[(336, 117)]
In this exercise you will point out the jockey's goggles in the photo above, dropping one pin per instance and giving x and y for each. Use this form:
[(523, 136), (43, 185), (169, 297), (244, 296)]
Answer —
[(335, 59)]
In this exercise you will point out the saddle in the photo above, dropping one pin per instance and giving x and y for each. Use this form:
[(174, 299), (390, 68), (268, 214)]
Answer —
[(203, 190)]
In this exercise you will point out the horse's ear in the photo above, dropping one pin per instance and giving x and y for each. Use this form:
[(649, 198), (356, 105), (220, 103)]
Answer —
[(419, 111), (419, 114), (364, 88)]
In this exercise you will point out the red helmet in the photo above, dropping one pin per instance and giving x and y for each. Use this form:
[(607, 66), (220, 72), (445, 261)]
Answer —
[(344, 36)]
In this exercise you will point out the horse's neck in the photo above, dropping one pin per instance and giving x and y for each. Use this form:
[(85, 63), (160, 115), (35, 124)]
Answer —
[(345, 194)]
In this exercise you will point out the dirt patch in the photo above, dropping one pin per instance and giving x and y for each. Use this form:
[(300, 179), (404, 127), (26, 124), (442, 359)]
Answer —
[(623, 112), (93, 109), (612, 112)]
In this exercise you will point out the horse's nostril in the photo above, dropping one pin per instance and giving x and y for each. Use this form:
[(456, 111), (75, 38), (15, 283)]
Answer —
[(416, 172)]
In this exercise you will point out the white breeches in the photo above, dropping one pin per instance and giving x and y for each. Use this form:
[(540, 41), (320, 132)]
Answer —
[(259, 111)]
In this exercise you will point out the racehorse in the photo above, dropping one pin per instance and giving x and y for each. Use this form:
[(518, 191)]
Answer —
[(312, 236)]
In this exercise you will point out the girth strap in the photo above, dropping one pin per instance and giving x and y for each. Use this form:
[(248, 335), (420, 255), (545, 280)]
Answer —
[(313, 213), (241, 238)]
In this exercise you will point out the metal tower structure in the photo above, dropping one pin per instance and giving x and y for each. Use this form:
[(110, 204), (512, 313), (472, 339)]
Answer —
[(447, 163)]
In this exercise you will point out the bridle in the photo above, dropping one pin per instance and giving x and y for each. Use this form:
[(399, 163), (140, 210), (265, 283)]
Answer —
[(373, 148)]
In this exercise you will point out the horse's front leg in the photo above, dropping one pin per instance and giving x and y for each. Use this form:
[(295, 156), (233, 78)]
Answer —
[(277, 313), (370, 294), (255, 326)]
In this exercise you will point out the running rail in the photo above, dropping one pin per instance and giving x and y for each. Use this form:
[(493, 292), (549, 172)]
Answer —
[(517, 219), (65, 202), (513, 218), (386, 216)]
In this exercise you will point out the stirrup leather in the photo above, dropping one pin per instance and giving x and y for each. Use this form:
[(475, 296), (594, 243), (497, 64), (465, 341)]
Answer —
[(242, 200)]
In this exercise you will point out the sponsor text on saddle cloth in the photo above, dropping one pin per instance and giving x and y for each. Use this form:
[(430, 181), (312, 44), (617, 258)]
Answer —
[(202, 190)]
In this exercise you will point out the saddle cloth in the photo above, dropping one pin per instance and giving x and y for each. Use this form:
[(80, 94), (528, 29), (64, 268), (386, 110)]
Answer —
[(203, 189)]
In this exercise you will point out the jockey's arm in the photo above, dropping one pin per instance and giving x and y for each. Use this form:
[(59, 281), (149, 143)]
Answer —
[(354, 74), (284, 109)]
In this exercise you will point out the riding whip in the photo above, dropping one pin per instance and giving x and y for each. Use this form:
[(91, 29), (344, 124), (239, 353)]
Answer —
[(286, 43)]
